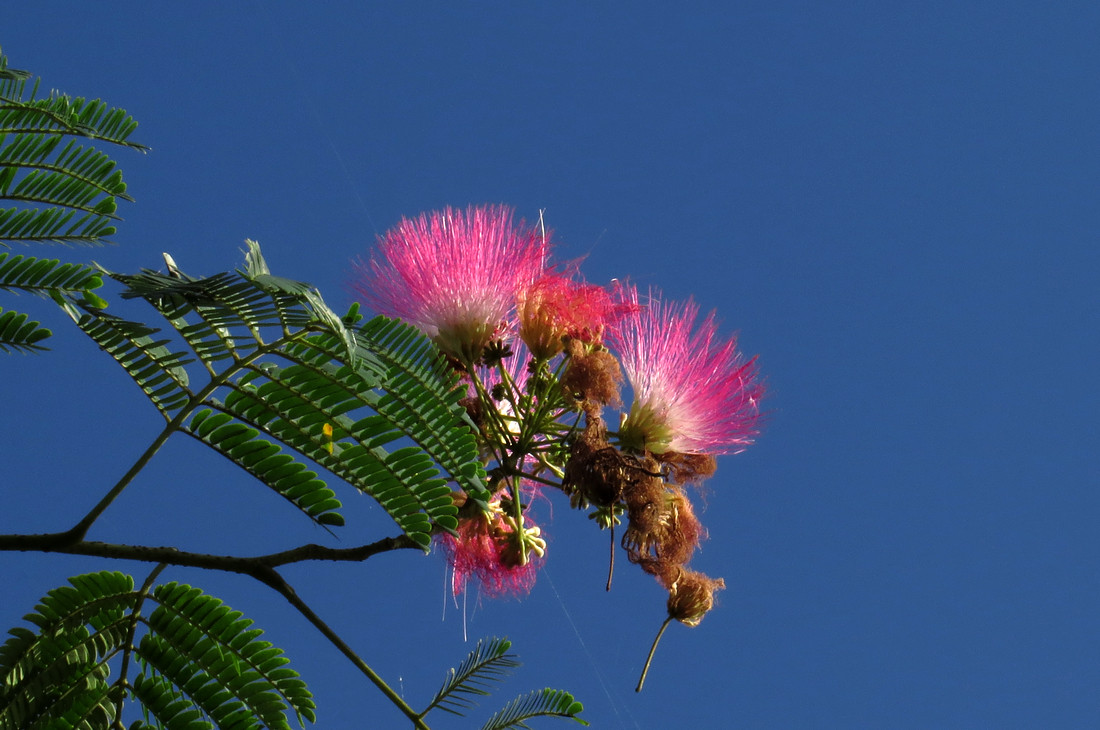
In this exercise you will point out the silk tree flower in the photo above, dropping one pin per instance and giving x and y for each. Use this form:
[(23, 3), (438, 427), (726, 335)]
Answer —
[(454, 274), (491, 551), (557, 306), (693, 391)]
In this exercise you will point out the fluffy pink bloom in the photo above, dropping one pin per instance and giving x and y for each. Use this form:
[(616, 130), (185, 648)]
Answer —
[(693, 392), (453, 274), (487, 550), (556, 306)]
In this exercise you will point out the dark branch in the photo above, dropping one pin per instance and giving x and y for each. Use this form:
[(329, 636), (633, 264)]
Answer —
[(260, 567)]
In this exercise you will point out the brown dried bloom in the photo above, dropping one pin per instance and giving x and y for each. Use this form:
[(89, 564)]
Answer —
[(688, 468), (692, 596), (592, 377), (594, 473), (663, 532)]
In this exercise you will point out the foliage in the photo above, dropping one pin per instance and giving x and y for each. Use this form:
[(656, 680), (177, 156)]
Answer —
[(198, 663), (62, 191), (490, 662), (68, 192), (539, 703), (278, 382), (17, 332)]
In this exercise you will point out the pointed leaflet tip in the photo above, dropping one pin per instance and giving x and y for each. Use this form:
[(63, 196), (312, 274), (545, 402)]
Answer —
[(171, 264), (254, 260)]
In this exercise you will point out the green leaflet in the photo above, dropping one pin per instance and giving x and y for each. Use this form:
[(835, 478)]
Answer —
[(197, 661), (42, 276), (489, 662), (423, 399), (62, 193)]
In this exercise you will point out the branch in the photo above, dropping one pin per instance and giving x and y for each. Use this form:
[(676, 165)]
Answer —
[(259, 567)]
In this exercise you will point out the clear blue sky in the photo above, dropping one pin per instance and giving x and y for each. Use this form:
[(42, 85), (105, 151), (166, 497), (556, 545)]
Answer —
[(895, 204)]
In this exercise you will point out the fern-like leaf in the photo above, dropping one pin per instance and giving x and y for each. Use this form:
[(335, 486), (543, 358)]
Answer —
[(538, 703), (211, 654), (11, 74), (157, 370), (489, 662), (22, 111), (285, 385), (65, 192), (425, 396), (45, 277), (54, 676), (203, 665)]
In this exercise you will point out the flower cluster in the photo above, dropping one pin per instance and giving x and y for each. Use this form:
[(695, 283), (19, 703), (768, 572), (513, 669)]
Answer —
[(544, 354)]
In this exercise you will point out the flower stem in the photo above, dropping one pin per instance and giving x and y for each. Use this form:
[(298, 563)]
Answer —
[(611, 561), (652, 649)]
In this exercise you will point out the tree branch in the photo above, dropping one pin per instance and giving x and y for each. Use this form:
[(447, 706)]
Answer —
[(258, 567), (121, 684)]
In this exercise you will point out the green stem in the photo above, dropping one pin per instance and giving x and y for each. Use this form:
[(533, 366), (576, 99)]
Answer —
[(134, 616), (652, 649), (277, 582), (81, 528), (611, 560)]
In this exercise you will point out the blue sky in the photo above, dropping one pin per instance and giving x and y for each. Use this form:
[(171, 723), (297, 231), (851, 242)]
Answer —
[(893, 204)]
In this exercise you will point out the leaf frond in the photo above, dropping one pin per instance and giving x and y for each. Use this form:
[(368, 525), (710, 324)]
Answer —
[(11, 74), (537, 703), (42, 276), (287, 386), (203, 665), (21, 111), (64, 191), (422, 395), (213, 655), (60, 671), (489, 662), (157, 370)]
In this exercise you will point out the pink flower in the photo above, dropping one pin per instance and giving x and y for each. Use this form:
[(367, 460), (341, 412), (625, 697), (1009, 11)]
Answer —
[(693, 392), (557, 306), (488, 550), (453, 274)]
